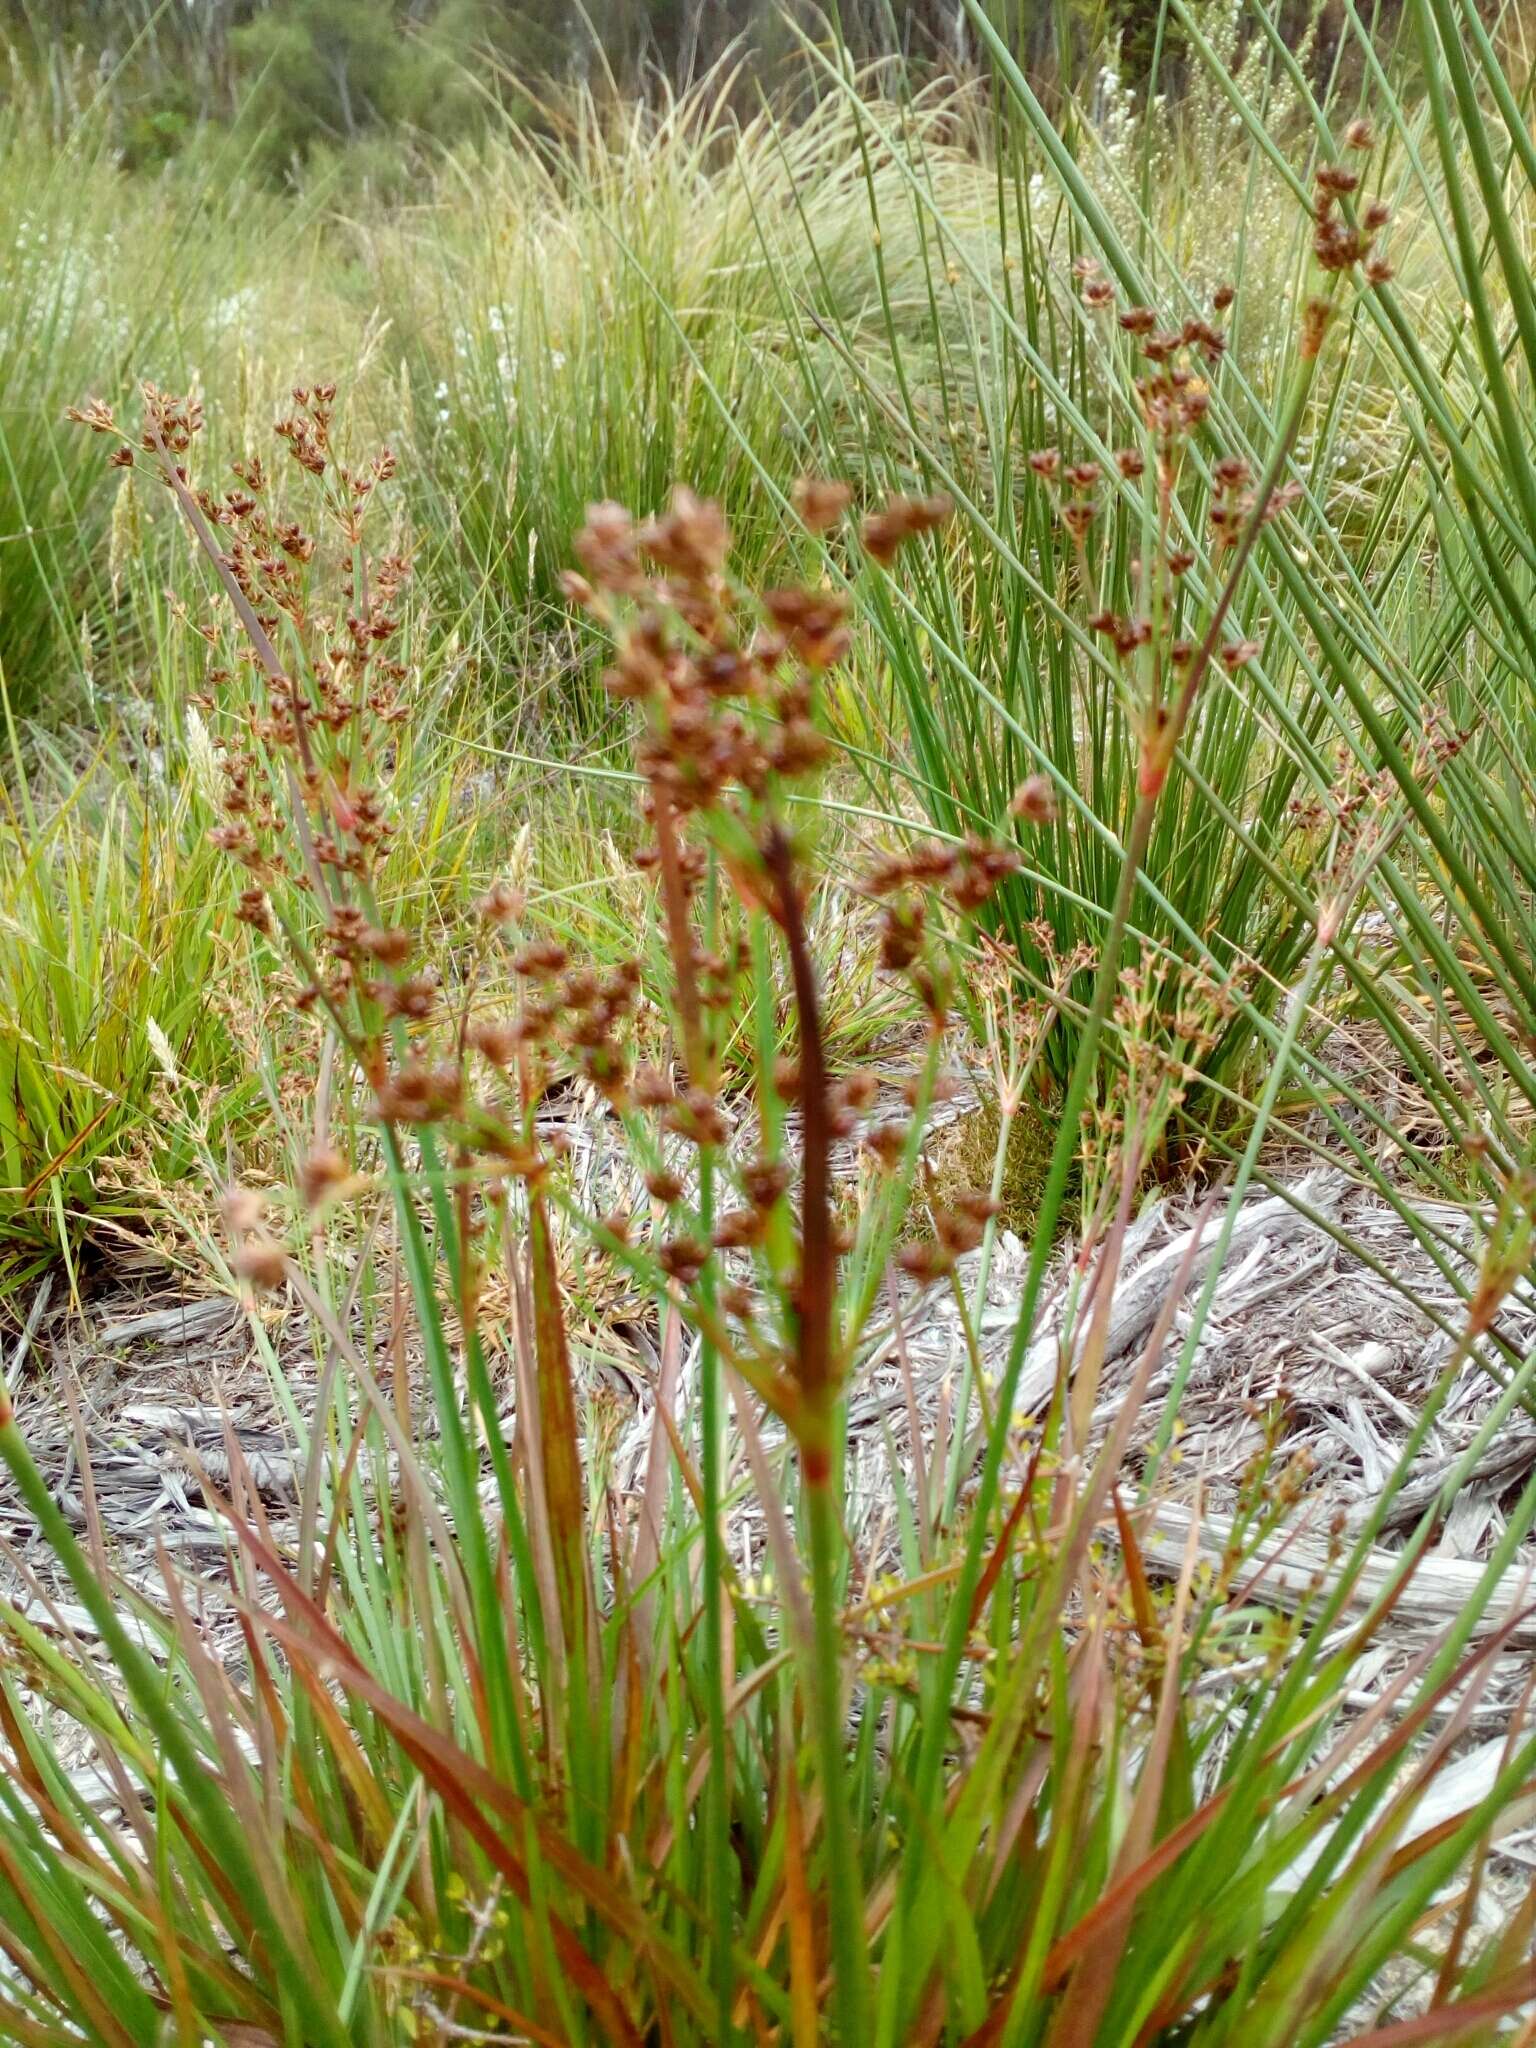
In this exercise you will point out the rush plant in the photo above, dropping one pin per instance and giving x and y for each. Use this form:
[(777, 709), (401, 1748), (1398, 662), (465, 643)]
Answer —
[(515, 1754)]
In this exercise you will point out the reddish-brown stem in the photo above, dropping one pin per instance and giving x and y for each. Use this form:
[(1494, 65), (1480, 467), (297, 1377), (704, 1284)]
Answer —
[(814, 1364), (674, 900)]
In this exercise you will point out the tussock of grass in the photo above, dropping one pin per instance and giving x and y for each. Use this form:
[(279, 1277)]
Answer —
[(113, 962), (966, 1156)]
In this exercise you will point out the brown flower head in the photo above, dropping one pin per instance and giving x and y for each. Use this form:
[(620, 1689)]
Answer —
[(691, 540), (607, 548), (820, 503), (902, 520), (1034, 801)]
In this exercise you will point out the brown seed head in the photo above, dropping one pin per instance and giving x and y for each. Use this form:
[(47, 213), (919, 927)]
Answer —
[(95, 414), (1336, 180), (820, 503), (1034, 801), (763, 1181), (691, 541), (887, 1141), (737, 1229), (420, 1093), (956, 1231), (495, 1040), (651, 1088), (811, 623), (901, 935), (501, 904), (1314, 326), (389, 946), (859, 1090), (242, 1209), (541, 960), (683, 1258), (979, 870), (321, 1174), (925, 1263), (607, 548), (697, 1117), (902, 520), (261, 1263), (415, 997), (254, 910)]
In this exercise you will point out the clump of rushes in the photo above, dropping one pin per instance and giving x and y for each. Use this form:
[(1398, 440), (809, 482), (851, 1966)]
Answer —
[(750, 1240), (498, 1764), (1161, 636)]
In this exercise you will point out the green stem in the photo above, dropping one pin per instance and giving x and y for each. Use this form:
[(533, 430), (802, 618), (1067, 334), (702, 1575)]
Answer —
[(850, 1950), (717, 1840), (818, 1375)]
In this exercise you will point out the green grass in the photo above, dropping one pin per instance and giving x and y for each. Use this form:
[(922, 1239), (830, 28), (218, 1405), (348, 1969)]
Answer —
[(111, 964), (105, 279), (994, 674), (634, 300)]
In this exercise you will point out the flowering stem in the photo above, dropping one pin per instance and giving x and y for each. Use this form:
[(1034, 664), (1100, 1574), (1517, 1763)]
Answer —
[(820, 1441), (717, 1785), (813, 1358), (264, 651), (849, 1946), (936, 1733), (696, 1056)]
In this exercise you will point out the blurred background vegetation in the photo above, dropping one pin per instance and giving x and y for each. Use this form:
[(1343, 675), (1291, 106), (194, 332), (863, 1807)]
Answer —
[(302, 80)]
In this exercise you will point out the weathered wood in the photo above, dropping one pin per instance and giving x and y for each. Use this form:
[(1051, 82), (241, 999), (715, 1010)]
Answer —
[(1286, 1569), (1141, 1293), (185, 1322)]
